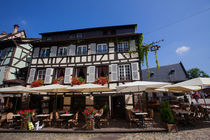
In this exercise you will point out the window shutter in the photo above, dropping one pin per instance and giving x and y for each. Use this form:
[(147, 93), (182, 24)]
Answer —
[(48, 76), (135, 71), (53, 51), (91, 73), (132, 45), (71, 50), (36, 52), (113, 72), (31, 75), (93, 48), (68, 75)]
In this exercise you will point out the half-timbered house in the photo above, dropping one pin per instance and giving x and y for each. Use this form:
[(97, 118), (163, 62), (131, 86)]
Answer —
[(89, 53)]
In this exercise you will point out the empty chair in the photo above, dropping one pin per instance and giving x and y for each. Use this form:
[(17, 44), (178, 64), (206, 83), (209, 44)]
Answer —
[(73, 121), (150, 118), (3, 119), (104, 120), (48, 121), (132, 119), (9, 119), (58, 120)]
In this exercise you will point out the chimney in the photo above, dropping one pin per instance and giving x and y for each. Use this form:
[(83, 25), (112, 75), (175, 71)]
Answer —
[(16, 26)]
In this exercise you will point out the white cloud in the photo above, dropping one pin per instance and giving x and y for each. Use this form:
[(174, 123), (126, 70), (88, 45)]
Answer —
[(23, 22), (182, 49)]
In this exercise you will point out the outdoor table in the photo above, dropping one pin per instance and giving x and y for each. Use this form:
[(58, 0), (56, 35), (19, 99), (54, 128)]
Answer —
[(97, 119), (141, 116), (66, 118), (42, 116)]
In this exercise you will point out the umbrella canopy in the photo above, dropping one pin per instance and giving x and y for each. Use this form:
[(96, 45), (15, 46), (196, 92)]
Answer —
[(182, 88), (15, 89), (51, 88), (163, 90), (88, 88), (140, 86), (195, 82)]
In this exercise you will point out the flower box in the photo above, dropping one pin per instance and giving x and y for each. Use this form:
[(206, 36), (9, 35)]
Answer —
[(101, 80), (37, 83), (78, 80)]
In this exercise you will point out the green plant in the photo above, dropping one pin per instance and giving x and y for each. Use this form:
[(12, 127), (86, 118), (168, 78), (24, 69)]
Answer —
[(78, 80), (37, 83), (143, 49), (165, 113)]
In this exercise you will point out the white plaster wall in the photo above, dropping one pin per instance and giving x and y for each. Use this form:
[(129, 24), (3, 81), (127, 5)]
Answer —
[(2, 71)]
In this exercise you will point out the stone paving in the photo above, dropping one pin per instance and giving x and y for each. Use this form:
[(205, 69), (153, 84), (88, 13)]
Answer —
[(198, 132)]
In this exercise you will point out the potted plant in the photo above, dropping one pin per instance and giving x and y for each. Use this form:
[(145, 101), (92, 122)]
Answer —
[(37, 83), (59, 80), (101, 80), (78, 80), (25, 117), (89, 113), (167, 117)]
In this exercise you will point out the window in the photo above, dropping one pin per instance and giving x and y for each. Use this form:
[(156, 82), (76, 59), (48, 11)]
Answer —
[(62, 51), (79, 35), (81, 72), (81, 50), (41, 74), (102, 71), (124, 72), (122, 46), (45, 52), (49, 38), (102, 48), (59, 72)]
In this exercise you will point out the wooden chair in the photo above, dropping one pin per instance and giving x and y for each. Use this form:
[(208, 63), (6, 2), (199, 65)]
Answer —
[(3, 119), (132, 119), (9, 119), (48, 121), (74, 120), (58, 120), (104, 120), (150, 118)]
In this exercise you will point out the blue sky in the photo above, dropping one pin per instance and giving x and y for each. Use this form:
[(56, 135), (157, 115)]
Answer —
[(183, 24)]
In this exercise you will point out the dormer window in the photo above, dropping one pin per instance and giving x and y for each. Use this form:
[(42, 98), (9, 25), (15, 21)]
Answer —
[(62, 51), (81, 50), (79, 35), (122, 46), (45, 52), (102, 48), (49, 38)]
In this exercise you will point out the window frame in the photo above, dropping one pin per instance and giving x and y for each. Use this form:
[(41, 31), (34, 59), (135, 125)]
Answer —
[(82, 51), (43, 74), (123, 44), (102, 47), (126, 74), (45, 54), (106, 67), (58, 71), (63, 52)]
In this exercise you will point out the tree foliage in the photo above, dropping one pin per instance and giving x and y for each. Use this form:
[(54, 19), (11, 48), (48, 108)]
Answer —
[(195, 72)]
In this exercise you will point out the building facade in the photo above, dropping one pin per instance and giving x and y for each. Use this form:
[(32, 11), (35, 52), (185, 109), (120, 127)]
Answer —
[(89, 54), (15, 53)]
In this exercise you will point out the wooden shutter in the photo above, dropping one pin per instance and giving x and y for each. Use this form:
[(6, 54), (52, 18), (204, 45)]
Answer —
[(36, 52), (132, 45), (113, 72), (93, 48), (68, 75), (48, 76), (91, 73), (53, 51), (135, 71), (71, 50), (31, 75)]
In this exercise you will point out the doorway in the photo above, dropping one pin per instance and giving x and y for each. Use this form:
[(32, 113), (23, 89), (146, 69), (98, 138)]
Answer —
[(118, 107)]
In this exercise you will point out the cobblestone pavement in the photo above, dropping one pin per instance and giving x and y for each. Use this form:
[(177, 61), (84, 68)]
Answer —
[(195, 134)]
